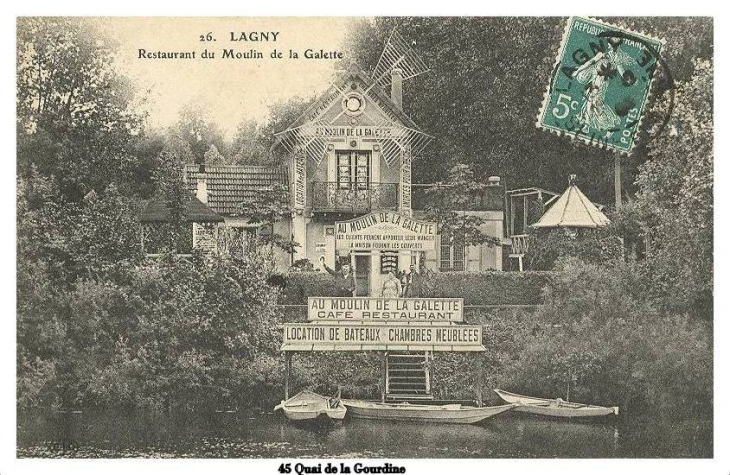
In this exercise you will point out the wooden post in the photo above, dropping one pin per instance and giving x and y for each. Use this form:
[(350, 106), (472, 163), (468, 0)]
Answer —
[(479, 379), (617, 180), (427, 370), (384, 375), (287, 372), (524, 215)]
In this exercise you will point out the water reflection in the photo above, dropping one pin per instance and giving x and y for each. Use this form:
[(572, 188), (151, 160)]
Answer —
[(246, 435)]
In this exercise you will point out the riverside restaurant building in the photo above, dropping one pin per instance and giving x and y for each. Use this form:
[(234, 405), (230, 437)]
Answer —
[(347, 166)]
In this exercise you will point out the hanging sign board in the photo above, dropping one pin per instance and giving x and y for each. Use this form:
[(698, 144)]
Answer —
[(395, 310), (359, 337), (385, 231)]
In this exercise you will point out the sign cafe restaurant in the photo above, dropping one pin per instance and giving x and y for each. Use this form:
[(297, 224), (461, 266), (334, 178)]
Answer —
[(349, 163)]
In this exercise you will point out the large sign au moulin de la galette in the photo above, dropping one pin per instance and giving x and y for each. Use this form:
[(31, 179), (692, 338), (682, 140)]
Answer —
[(385, 310), (385, 231)]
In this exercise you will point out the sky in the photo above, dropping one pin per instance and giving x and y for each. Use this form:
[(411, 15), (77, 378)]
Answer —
[(231, 89)]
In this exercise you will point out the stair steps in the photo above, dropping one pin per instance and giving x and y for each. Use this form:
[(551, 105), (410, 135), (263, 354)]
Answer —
[(407, 377)]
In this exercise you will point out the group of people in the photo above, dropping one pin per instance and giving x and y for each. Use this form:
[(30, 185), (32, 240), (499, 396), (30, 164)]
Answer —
[(406, 284)]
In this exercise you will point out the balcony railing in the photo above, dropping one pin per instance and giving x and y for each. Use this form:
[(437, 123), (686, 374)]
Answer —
[(519, 244), (328, 196)]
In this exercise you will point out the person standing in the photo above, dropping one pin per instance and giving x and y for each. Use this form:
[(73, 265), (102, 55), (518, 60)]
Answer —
[(412, 283), (344, 280), (391, 286)]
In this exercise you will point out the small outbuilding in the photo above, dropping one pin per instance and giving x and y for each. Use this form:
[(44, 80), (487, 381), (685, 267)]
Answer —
[(572, 210)]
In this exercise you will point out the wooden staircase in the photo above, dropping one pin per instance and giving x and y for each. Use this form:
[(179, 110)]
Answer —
[(407, 376)]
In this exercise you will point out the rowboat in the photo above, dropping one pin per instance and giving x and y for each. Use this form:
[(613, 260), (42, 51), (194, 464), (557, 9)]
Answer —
[(308, 405), (403, 411), (554, 407)]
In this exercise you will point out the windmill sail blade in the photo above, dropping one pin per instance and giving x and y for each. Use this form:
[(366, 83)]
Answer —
[(397, 54), (392, 147), (304, 137)]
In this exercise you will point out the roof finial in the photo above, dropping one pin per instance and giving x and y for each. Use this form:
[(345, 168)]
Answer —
[(571, 180)]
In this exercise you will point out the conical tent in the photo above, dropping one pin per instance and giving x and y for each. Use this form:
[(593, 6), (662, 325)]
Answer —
[(572, 210)]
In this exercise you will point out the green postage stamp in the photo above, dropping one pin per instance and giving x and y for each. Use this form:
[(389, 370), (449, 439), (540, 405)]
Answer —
[(600, 85)]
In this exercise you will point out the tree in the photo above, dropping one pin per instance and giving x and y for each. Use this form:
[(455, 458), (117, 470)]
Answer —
[(195, 133), (449, 204), (213, 156), (283, 115), (250, 146), (482, 94), (675, 198), (77, 115), (270, 205)]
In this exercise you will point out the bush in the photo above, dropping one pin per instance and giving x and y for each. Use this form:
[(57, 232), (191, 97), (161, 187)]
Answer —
[(300, 285), (177, 334), (595, 335), (488, 288), (476, 288), (596, 246)]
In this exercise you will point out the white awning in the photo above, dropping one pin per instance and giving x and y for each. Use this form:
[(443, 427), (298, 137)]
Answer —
[(572, 210)]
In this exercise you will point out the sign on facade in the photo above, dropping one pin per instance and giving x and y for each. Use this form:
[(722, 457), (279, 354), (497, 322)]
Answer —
[(397, 310), (385, 231)]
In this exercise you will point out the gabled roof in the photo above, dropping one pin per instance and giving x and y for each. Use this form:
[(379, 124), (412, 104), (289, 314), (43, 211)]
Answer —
[(355, 73), (158, 210), (573, 209), (230, 185)]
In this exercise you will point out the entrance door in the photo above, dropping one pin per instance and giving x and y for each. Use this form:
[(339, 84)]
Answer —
[(362, 275)]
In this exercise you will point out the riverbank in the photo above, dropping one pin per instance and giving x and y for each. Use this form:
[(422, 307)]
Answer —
[(250, 434)]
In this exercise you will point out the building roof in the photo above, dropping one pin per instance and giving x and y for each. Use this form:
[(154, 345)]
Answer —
[(230, 185), (354, 72), (573, 209), (158, 210)]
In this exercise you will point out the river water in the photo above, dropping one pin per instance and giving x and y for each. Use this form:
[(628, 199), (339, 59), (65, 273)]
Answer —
[(266, 435)]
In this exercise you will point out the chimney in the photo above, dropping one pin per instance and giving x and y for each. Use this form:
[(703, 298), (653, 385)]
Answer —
[(202, 192), (396, 87)]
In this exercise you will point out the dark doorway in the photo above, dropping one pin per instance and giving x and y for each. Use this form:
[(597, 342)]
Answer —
[(362, 275)]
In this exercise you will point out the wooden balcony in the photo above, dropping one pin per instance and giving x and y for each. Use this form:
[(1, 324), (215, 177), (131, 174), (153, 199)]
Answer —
[(519, 245), (329, 197)]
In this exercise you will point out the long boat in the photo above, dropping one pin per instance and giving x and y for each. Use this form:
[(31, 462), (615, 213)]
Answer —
[(403, 411), (308, 405), (554, 407)]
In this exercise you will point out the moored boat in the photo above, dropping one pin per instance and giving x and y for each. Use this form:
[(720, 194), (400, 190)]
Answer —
[(308, 405), (403, 411), (554, 407)]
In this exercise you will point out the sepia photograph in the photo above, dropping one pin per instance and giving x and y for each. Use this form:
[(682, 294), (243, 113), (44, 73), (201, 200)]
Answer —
[(372, 238)]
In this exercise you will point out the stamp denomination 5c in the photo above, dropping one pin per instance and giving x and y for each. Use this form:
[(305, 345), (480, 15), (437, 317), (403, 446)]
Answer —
[(600, 84)]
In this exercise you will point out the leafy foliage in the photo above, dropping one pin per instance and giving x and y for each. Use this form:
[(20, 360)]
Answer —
[(597, 335), (595, 340), (269, 206), (547, 248), (482, 94), (196, 136), (449, 202), (97, 324), (675, 199), (77, 118), (176, 334)]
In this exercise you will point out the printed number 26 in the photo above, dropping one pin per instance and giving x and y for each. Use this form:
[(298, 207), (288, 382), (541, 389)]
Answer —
[(563, 106)]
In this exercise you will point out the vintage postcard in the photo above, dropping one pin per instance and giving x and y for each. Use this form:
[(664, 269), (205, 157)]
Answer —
[(345, 244)]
